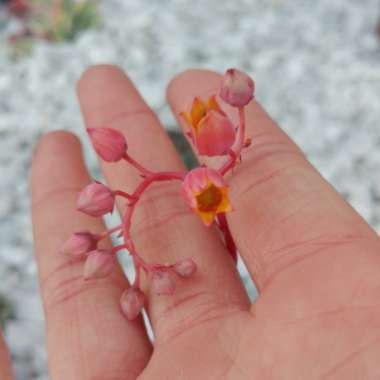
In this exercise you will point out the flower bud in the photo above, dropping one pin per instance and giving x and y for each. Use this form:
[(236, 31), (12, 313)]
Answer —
[(79, 244), (215, 134), (96, 200), (19, 8), (185, 267), (211, 130), (100, 263), (132, 301), (237, 88), (109, 144), (163, 283)]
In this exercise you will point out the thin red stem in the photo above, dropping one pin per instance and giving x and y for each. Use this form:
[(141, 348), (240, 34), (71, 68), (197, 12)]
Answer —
[(123, 194), (138, 166), (235, 154), (139, 262), (228, 239), (118, 248), (109, 232)]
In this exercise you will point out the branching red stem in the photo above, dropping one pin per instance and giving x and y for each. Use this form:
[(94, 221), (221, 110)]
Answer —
[(138, 166), (139, 262)]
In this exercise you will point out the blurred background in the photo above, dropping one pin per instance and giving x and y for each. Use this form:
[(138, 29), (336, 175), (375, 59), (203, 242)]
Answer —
[(316, 66)]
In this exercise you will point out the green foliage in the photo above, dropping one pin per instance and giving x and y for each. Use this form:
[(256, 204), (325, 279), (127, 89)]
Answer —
[(57, 20), (184, 149), (6, 311), (72, 18)]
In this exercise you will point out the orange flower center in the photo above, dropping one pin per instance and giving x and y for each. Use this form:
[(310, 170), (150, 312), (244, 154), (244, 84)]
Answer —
[(209, 199)]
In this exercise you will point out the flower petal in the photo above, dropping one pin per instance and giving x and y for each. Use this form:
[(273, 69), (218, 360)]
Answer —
[(215, 134), (198, 111)]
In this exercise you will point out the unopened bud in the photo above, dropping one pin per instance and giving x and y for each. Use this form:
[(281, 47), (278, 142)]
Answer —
[(96, 199), (185, 267), (163, 283), (109, 144), (237, 88), (132, 301), (215, 134), (79, 244), (100, 263)]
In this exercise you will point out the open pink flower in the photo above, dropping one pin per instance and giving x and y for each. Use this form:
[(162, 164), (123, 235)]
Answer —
[(96, 200), (237, 88), (206, 193), (100, 263), (79, 244), (211, 130), (109, 144)]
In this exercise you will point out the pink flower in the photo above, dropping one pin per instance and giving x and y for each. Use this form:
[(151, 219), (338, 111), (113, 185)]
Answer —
[(237, 88), (163, 283), (19, 8), (185, 267), (100, 263), (211, 130), (132, 301), (96, 200), (79, 244), (109, 144), (205, 192)]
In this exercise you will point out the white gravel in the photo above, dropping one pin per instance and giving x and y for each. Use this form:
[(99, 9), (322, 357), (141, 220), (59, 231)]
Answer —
[(316, 64)]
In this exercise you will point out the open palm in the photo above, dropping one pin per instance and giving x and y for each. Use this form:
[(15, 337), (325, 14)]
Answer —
[(315, 261)]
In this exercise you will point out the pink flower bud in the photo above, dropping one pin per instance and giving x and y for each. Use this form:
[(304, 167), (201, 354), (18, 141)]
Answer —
[(19, 8), (132, 301), (79, 244), (212, 132), (96, 199), (163, 283), (237, 88), (109, 144), (215, 134), (100, 263), (185, 267)]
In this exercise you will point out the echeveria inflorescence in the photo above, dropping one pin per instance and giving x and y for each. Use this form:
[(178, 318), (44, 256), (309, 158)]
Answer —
[(204, 190)]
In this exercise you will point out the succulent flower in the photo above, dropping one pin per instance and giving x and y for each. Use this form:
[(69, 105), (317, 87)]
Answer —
[(96, 200), (211, 130), (79, 244), (205, 192), (109, 144), (203, 188), (237, 88), (132, 301)]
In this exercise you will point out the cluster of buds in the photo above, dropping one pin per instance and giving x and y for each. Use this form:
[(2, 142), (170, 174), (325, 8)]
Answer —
[(204, 190)]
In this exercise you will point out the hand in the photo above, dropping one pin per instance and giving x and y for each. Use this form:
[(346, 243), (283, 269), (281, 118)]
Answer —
[(315, 261)]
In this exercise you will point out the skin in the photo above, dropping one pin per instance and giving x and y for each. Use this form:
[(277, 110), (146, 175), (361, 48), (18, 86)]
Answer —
[(315, 260)]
